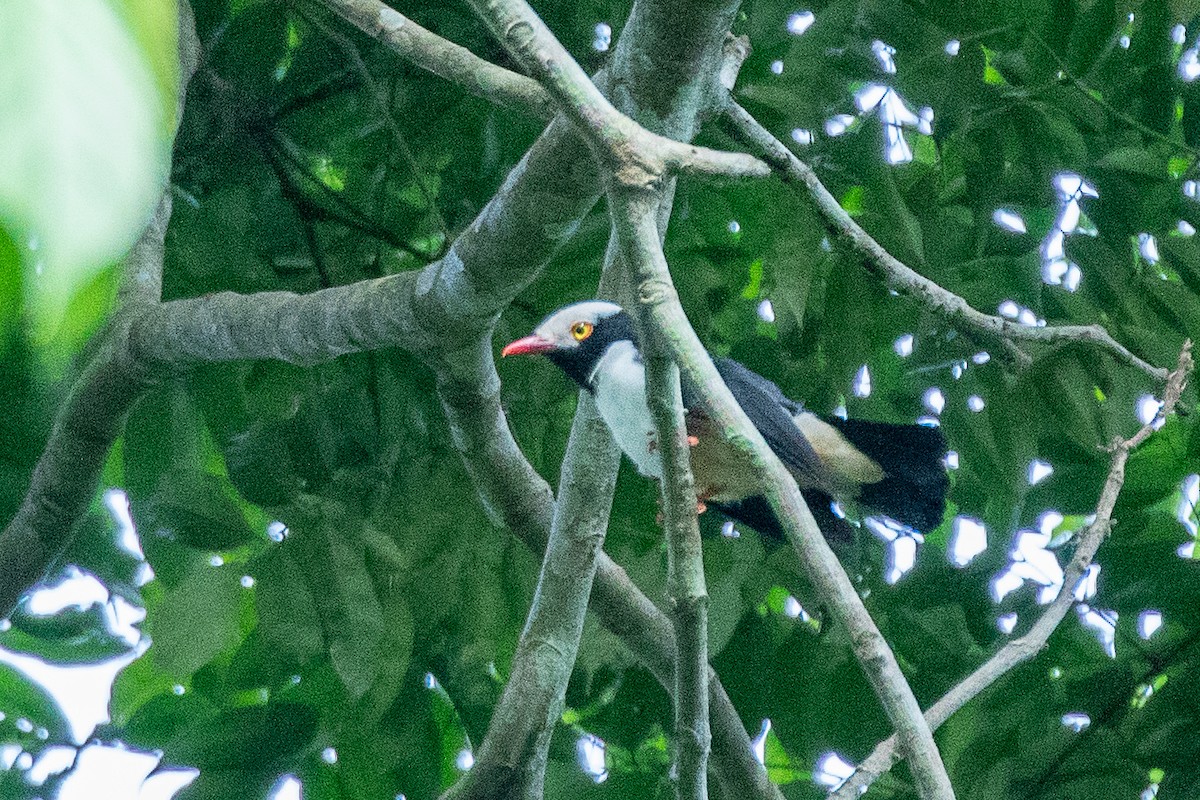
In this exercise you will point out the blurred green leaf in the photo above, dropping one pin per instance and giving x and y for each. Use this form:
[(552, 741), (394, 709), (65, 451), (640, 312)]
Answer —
[(216, 784), (1135, 161), (72, 636), (198, 509), (329, 556), (252, 738), (197, 619), (397, 646), (453, 738), (77, 199), (288, 620), (780, 769), (96, 548)]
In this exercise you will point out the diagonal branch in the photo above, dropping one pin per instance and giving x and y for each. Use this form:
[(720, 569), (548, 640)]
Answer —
[(636, 173), (513, 755), (1018, 651), (657, 293), (903, 278), (444, 58), (512, 759)]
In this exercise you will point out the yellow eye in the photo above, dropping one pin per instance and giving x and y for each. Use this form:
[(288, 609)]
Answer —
[(581, 330)]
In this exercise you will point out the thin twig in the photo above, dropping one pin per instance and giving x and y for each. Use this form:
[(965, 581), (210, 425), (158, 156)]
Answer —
[(1097, 98), (885, 754), (903, 278), (383, 108)]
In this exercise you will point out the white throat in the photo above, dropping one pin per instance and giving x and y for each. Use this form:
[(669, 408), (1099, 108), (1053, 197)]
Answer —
[(619, 381)]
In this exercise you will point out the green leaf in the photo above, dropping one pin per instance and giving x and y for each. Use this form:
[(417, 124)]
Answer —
[(252, 738), (96, 548), (1061, 390), (11, 295), (154, 24), (197, 619), (451, 733), (1135, 161), (275, 390), (21, 698), (163, 717), (213, 784), (937, 638), (288, 621), (1155, 469), (331, 556), (135, 686), (397, 644), (200, 510), (78, 198), (164, 432), (991, 75), (780, 769)]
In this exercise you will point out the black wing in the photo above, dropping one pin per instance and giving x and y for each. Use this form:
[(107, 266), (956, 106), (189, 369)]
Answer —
[(770, 411)]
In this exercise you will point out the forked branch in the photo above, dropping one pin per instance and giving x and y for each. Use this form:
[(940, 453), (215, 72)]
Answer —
[(902, 278)]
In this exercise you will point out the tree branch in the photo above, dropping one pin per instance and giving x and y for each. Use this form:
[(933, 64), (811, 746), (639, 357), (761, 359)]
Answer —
[(686, 592), (904, 279), (631, 153), (1018, 651), (687, 595), (620, 605), (657, 293), (516, 497), (634, 168), (444, 58), (512, 759), (537, 208)]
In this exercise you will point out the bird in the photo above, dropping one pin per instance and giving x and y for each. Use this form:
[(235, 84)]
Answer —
[(894, 470)]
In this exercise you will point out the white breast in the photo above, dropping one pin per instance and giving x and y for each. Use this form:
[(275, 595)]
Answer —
[(620, 390)]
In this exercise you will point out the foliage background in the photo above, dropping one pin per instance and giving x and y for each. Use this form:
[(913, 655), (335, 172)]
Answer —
[(382, 624)]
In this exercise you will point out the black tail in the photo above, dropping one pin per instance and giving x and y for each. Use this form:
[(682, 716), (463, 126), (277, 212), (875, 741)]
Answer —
[(913, 459)]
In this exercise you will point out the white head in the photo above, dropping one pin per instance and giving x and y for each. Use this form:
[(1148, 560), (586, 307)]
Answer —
[(575, 337)]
